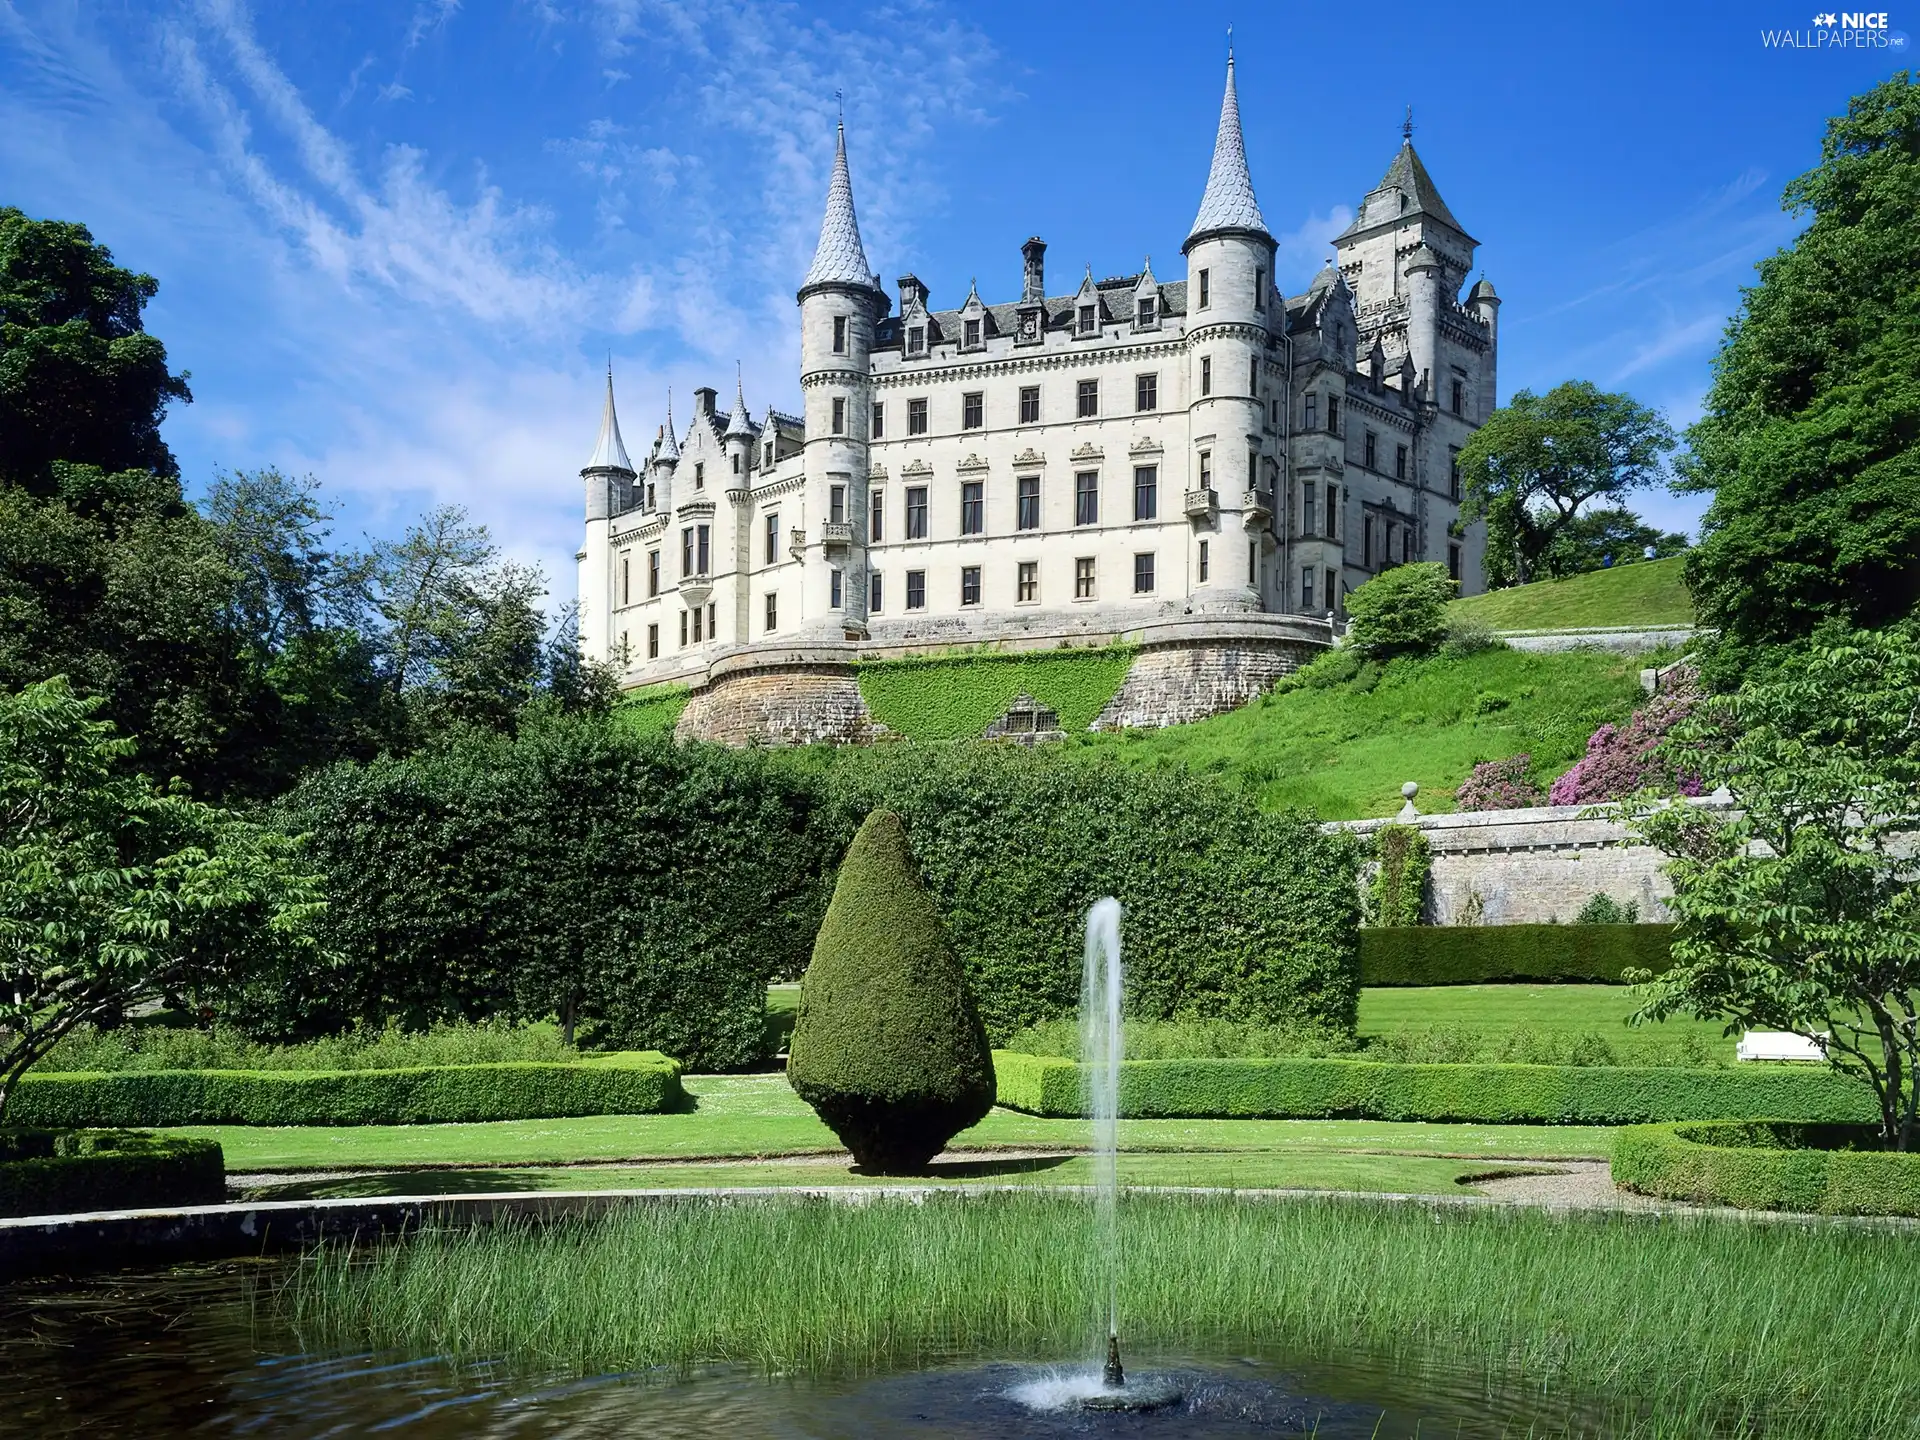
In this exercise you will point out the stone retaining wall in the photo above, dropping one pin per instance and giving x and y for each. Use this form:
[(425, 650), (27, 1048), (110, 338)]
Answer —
[(787, 695), (1176, 683)]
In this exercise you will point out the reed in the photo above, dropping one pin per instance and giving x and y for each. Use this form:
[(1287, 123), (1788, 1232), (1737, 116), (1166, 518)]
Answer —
[(1673, 1326)]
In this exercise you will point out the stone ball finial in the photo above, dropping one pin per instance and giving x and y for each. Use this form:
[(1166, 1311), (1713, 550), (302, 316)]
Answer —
[(1410, 789), (1407, 811)]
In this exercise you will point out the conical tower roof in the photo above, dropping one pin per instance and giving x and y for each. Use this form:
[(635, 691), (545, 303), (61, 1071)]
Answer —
[(839, 259), (609, 453), (738, 423), (668, 450), (1228, 203)]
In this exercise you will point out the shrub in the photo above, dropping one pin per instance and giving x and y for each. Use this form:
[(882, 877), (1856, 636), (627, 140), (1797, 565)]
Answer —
[(1833, 1169), (45, 1172), (1603, 909), (1288, 1089), (1182, 1040), (1402, 611), (1398, 891), (888, 1046), (638, 1083), (1622, 760), (1468, 636), (161, 1047), (1480, 954), (1499, 785)]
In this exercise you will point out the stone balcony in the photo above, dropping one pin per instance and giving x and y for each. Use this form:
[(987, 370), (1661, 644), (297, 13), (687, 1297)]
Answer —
[(836, 535), (1202, 503)]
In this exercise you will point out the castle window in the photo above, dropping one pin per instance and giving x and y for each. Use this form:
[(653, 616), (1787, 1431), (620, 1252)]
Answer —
[(916, 589), (1146, 392), (1253, 564), (839, 415), (1027, 584), (1310, 418), (1259, 288), (1306, 587), (1400, 462), (651, 501), (1206, 469), (836, 504), (1333, 512), (1453, 471), (1253, 469), (1089, 316), (1203, 562), (1086, 498), (1143, 574), (973, 334), (1203, 290), (1206, 374), (1087, 394), (713, 625), (1253, 377), (1083, 578), (973, 508), (876, 519), (876, 592), (972, 411), (1372, 450), (1146, 492), (1453, 563), (653, 642), (836, 597), (626, 581), (697, 617), (1333, 593), (1333, 414), (736, 462), (1366, 550), (703, 543), (1027, 516), (916, 417), (1145, 313), (1306, 510), (879, 420), (917, 512), (916, 339), (699, 474), (839, 334), (773, 537), (1406, 544), (768, 461), (969, 584), (773, 611), (1459, 397), (653, 573), (1029, 404), (683, 629), (686, 552)]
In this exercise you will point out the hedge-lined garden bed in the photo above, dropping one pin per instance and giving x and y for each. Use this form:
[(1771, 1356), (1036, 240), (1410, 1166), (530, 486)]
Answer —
[(640, 1082), (1288, 1089), (46, 1172), (1769, 1165), (1483, 954)]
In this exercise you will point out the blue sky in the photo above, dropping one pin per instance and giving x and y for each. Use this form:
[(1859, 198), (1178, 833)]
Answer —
[(398, 241)]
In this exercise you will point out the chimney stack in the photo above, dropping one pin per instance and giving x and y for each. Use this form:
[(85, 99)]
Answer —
[(1034, 253)]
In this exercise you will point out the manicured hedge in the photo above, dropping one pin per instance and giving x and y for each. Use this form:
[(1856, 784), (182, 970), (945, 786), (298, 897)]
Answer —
[(44, 1172), (1480, 954), (1769, 1165), (631, 1083), (1489, 1094)]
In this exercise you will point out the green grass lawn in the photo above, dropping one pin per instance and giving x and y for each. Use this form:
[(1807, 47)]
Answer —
[(1542, 1008), (1649, 592), (1343, 752)]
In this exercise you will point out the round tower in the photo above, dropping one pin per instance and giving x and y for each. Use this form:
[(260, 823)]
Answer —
[(1423, 270), (608, 477), (738, 438), (840, 304), (1485, 306), (1229, 279)]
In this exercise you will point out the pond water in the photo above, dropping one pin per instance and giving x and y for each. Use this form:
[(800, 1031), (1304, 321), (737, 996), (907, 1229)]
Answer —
[(200, 1351)]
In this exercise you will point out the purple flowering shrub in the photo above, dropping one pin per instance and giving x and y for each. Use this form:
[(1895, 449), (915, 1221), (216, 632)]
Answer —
[(1499, 785), (1622, 760)]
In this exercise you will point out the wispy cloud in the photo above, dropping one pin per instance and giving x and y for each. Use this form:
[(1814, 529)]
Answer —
[(1673, 337), (1300, 252)]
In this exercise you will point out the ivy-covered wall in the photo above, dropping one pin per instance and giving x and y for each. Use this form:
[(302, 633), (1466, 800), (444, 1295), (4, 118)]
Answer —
[(954, 696)]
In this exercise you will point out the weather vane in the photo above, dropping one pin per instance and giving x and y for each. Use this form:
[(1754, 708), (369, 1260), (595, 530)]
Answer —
[(1406, 130)]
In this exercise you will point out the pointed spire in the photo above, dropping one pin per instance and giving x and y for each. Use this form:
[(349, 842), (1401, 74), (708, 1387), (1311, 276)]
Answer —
[(1228, 203), (737, 423), (668, 451), (609, 453), (839, 258)]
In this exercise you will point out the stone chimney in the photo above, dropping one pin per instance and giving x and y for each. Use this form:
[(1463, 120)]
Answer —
[(1034, 254), (703, 401)]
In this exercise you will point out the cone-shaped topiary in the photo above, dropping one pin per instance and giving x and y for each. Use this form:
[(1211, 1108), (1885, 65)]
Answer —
[(888, 1047)]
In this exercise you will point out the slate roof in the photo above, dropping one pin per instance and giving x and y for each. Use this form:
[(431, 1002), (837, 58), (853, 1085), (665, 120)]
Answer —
[(740, 423), (839, 258), (1228, 203), (669, 447), (1116, 299), (1409, 176), (609, 453)]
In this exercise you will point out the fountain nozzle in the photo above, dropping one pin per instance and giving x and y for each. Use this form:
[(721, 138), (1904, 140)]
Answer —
[(1113, 1377)]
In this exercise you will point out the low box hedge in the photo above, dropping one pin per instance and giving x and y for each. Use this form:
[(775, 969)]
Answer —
[(1769, 1165), (1289, 1089), (49, 1172), (636, 1082), (1484, 954)]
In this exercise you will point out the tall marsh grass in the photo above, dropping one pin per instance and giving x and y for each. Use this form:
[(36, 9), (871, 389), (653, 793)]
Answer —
[(1687, 1326)]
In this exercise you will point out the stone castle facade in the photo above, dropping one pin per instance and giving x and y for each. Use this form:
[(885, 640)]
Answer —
[(1199, 455)]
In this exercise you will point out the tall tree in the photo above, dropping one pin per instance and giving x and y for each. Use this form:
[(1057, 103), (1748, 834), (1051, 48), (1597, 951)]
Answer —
[(1612, 535), (1810, 444), (1540, 458)]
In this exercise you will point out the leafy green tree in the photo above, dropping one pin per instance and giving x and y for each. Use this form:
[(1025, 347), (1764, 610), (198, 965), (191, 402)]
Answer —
[(1539, 458), (1402, 611), (1810, 444), (1613, 535), (1800, 909), (112, 891)]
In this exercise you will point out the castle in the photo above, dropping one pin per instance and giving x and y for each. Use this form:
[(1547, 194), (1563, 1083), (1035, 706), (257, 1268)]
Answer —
[(1134, 454)]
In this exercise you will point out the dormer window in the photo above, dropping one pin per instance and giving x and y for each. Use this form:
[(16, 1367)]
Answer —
[(1145, 312), (973, 334), (1089, 319), (916, 339), (769, 461)]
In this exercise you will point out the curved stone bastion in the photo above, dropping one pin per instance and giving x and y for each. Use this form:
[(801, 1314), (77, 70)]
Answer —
[(1182, 670)]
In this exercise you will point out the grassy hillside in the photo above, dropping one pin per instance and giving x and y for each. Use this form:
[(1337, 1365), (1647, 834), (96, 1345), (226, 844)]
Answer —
[(1648, 592), (652, 709), (1344, 751), (957, 695)]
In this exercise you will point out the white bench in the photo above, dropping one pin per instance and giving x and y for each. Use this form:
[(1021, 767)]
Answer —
[(1777, 1045)]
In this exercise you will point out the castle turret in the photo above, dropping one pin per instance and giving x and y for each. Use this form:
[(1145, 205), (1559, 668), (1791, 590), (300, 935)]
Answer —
[(1229, 270), (840, 303), (608, 477), (1485, 307), (1424, 278), (738, 438), (662, 464)]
